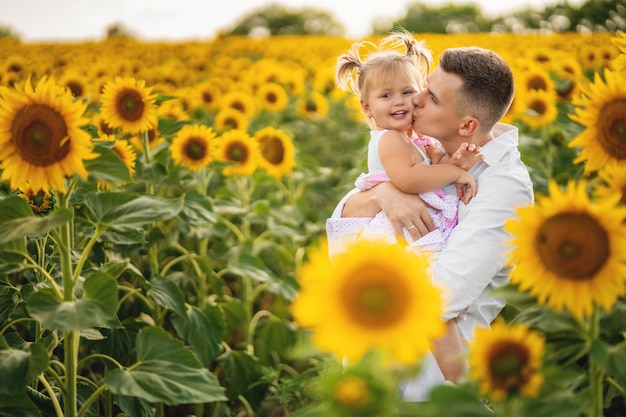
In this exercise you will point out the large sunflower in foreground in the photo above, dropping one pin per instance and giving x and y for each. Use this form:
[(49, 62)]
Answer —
[(41, 139), (602, 111), (129, 105), (239, 148), (569, 251), (277, 152), (374, 296), (506, 360), (193, 147)]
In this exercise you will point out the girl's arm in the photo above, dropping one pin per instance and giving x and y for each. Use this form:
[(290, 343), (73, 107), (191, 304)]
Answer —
[(408, 174)]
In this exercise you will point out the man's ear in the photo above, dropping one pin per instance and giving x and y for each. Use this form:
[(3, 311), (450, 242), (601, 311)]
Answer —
[(469, 126)]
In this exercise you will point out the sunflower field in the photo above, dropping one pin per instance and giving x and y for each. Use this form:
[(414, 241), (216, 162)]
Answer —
[(162, 220)]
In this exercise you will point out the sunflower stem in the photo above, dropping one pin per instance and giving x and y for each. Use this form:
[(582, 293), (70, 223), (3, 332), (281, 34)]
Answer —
[(72, 338), (596, 373)]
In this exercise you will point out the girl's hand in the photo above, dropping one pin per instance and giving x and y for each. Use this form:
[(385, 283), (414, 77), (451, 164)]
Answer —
[(467, 155)]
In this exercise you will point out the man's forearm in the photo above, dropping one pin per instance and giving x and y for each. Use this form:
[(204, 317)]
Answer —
[(363, 204)]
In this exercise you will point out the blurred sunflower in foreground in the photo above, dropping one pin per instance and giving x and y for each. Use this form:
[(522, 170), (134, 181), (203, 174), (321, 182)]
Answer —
[(374, 297), (568, 250), (41, 139), (506, 360)]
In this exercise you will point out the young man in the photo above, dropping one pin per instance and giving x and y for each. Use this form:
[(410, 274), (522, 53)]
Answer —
[(468, 92)]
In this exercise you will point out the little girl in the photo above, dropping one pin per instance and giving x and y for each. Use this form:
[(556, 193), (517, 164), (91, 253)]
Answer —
[(385, 83)]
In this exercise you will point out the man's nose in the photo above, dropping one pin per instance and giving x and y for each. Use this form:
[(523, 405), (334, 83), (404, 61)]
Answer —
[(417, 99)]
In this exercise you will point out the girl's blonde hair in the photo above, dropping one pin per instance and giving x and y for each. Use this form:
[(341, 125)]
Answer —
[(397, 53)]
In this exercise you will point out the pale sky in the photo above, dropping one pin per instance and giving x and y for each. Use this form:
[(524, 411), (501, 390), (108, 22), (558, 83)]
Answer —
[(63, 20)]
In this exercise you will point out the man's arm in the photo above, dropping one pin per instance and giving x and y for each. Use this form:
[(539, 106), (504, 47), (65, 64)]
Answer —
[(402, 210)]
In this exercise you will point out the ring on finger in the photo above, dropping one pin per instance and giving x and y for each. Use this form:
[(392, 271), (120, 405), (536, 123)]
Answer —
[(411, 227)]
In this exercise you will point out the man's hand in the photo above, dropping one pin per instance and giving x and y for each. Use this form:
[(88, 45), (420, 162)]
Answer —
[(403, 210)]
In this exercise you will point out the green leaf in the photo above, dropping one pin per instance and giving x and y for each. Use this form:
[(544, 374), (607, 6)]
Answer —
[(97, 307), (18, 220), (13, 369), (18, 405), (203, 330), (123, 211), (166, 371), (240, 371), (108, 166), (198, 209), (168, 294)]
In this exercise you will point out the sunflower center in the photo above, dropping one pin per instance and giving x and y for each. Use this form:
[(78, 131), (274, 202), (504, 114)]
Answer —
[(375, 300), (508, 362), (537, 83), (273, 150), (237, 153), (271, 98), (195, 149), (538, 106), (311, 106), (573, 246), (130, 105), (40, 135), (612, 122), (76, 88)]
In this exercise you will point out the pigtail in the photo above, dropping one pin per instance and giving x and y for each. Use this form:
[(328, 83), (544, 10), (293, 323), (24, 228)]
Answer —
[(416, 49), (347, 65)]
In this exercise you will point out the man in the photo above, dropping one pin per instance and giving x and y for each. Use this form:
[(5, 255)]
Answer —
[(469, 91)]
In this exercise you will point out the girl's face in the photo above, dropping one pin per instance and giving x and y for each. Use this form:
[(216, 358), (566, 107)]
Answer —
[(389, 103)]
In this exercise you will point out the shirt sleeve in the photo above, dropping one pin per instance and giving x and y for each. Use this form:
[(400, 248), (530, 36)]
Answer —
[(476, 252)]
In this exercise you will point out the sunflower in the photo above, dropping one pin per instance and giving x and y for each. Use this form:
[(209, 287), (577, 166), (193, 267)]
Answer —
[(209, 94), (172, 109), (193, 147), (103, 127), (41, 202), (540, 108), (357, 391), (314, 105), (41, 140), (239, 101), (273, 97), (76, 82), (230, 119), (376, 297), (238, 147), (153, 137), (506, 360), (536, 78), (126, 153), (129, 105), (612, 182), (602, 111), (569, 75), (277, 151), (619, 63), (590, 57), (569, 252)]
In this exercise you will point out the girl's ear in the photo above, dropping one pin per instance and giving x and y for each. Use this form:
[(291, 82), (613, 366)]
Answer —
[(365, 107), (469, 127)]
